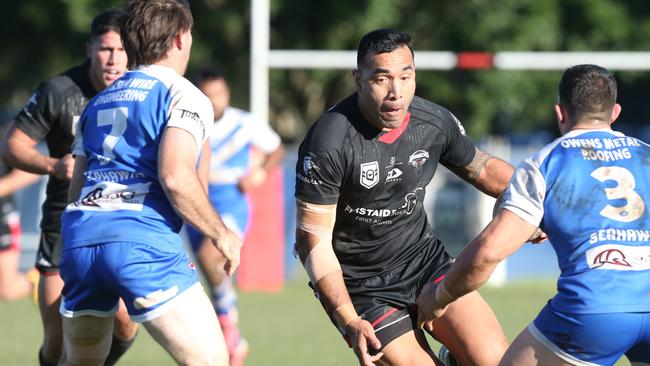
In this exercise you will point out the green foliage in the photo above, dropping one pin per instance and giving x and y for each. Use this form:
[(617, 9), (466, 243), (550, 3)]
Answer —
[(44, 37)]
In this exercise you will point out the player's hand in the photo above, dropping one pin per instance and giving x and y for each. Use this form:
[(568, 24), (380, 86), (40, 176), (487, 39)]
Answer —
[(64, 167), (229, 245), (361, 335), (428, 307), (538, 237)]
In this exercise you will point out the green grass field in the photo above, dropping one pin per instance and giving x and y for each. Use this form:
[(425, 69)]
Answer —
[(284, 329)]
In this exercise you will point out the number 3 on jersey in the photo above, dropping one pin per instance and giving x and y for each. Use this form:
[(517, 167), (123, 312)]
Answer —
[(624, 189), (116, 118)]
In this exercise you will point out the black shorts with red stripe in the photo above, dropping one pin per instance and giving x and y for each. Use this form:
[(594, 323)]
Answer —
[(10, 232), (387, 300)]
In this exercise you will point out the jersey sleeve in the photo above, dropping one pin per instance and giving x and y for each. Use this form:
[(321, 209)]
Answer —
[(526, 193), (191, 111), (263, 138), (459, 149), (78, 142), (37, 117), (319, 169)]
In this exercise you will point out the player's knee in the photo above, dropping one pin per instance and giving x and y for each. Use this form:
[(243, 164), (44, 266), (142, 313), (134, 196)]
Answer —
[(87, 350)]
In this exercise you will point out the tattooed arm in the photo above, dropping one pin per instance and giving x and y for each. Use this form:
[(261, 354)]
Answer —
[(487, 173)]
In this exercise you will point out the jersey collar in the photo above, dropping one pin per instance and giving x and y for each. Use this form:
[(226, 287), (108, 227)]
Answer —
[(392, 135)]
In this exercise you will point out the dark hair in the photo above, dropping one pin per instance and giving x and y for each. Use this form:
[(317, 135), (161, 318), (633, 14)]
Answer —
[(150, 26), (587, 91), (381, 41), (207, 73), (106, 21)]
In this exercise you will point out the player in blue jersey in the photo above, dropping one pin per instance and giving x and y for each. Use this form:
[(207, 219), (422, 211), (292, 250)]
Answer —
[(244, 150), (135, 181), (588, 190), (50, 116)]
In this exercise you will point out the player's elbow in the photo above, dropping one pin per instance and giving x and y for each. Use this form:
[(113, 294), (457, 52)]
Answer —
[(172, 181), (487, 258), (11, 152)]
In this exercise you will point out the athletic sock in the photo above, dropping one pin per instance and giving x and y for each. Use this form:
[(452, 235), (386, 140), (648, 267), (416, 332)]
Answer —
[(42, 361), (118, 348), (224, 300), (224, 297)]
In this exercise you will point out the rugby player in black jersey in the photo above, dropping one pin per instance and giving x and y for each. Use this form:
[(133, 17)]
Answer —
[(362, 232), (50, 115)]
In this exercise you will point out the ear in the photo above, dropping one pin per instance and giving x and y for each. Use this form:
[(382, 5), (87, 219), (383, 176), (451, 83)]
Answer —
[(560, 113), (616, 111), (88, 49), (356, 74), (178, 41)]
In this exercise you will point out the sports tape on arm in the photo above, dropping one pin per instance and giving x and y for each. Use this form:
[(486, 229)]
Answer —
[(318, 221)]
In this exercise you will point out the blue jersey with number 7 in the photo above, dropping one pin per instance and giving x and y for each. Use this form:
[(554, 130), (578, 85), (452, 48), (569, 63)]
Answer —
[(120, 133)]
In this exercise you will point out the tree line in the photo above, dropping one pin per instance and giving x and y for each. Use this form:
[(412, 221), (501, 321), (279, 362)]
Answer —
[(45, 37)]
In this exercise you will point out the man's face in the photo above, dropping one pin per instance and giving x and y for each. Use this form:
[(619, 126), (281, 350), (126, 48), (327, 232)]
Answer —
[(107, 59), (219, 94), (385, 83)]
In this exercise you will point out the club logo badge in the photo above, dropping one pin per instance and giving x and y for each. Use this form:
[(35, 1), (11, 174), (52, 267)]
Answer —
[(369, 174)]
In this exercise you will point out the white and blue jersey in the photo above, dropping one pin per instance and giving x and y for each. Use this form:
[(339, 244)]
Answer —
[(232, 142), (589, 190), (120, 238), (122, 199)]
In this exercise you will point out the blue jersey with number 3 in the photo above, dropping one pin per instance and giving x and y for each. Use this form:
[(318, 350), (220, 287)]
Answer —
[(120, 133), (589, 191)]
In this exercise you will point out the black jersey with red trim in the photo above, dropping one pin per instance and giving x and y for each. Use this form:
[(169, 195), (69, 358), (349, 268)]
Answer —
[(377, 179), (50, 114)]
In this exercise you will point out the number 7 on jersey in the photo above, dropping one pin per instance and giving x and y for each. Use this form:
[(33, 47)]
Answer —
[(116, 118)]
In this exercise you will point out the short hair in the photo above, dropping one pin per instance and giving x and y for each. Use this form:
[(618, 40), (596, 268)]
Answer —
[(150, 26), (381, 41), (587, 90), (208, 73), (106, 21)]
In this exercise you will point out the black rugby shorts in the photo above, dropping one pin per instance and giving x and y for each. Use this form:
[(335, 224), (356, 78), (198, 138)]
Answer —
[(48, 256), (387, 300)]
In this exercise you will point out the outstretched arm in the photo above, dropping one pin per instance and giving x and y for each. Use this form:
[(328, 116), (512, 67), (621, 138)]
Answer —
[(503, 236), (314, 247)]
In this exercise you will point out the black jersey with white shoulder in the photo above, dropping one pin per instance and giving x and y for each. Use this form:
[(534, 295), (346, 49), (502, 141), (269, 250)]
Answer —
[(50, 114), (377, 179)]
